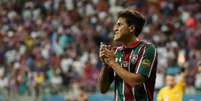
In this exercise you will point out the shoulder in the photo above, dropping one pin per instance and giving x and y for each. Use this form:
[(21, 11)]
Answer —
[(180, 83), (148, 44), (149, 47), (164, 89)]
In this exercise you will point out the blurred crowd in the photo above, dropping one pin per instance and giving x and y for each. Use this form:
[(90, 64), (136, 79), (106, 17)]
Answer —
[(50, 46)]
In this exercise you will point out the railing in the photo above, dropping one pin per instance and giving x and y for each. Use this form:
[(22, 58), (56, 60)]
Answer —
[(6, 95), (90, 98)]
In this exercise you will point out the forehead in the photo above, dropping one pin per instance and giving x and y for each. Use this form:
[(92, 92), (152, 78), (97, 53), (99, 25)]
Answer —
[(121, 20), (170, 77)]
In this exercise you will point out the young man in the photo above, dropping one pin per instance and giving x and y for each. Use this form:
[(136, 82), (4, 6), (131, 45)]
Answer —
[(131, 66), (173, 90)]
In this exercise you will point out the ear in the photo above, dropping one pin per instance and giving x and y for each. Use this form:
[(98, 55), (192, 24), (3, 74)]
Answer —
[(132, 28)]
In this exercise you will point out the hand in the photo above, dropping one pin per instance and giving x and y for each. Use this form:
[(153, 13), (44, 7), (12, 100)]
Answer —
[(106, 54), (101, 51)]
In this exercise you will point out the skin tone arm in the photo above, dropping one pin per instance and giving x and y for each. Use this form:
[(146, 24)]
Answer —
[(130, 78), (106, 78), (106, 75)]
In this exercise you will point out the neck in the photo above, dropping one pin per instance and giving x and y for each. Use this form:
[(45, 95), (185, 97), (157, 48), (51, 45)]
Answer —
[(130, 40), (170, 87)]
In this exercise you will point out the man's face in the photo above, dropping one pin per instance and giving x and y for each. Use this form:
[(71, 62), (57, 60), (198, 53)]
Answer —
[(170, 81), (121, 30)]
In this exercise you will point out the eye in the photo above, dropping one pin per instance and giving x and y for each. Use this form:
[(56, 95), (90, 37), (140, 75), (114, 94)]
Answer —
[(118, 24)]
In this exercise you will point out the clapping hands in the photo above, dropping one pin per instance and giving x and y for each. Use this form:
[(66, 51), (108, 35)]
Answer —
[(106, 54)]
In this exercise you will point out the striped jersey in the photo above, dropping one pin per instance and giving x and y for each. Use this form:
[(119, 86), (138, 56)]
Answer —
[(141, 58)]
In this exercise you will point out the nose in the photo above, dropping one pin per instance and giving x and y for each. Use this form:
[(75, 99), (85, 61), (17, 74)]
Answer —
[(115, 28)]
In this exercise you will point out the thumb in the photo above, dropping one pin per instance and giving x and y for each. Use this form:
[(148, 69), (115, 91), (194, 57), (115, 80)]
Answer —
[(113, 49)]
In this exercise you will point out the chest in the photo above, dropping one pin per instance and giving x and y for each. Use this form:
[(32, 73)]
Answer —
[(172, 94), (127, 58)]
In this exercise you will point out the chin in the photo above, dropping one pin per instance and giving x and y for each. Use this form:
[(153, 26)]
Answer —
[(115, 39)]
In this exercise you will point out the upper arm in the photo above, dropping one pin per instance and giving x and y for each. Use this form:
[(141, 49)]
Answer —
[(180, 85), (147, 61)]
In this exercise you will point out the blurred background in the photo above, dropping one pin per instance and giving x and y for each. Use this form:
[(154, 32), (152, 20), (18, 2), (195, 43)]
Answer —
[(49, 48)]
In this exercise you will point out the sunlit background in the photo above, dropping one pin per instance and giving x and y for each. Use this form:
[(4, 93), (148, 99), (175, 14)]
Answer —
[(49, 48)]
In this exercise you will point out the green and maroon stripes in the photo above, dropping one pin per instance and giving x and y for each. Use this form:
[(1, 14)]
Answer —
[(140, 56), (128, 93), (146, 64), (128, 89), (123, 91), (140, 52), (152, 64), (151, 81)]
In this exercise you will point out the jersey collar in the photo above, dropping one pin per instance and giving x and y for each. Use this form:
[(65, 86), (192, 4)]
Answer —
[(133, 45)]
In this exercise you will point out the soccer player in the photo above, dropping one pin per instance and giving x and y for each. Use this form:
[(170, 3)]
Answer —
[(132, 66)]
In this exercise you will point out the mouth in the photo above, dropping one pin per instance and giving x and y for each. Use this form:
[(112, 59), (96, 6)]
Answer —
[(116, 36)]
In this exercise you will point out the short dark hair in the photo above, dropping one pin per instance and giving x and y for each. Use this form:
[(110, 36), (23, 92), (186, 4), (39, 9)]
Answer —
[(133, 18)]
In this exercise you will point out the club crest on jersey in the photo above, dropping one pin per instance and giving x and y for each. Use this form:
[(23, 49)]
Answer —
[(134, 58), (125, 63), (146, 63)]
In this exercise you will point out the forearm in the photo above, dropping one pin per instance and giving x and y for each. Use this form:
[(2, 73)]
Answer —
[(130, 78), (106, 78)]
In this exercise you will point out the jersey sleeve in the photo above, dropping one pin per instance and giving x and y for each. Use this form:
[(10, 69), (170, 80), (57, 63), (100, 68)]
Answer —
[(180, 84), (147, 61)]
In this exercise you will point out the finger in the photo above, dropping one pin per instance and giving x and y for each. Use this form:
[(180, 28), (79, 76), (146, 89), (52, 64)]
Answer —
[(109, 47), (103, 54), (103, 45), (107, 54), (106, 60), (102, 48), (100, 53), (110, 51), (106, 50), (113, 49)]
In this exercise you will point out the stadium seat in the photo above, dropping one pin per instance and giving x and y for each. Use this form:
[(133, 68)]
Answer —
[(52, 98), (2, 98), (191, 98), (100, 98)]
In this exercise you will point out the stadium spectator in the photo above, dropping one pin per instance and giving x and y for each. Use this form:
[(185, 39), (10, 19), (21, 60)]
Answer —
[(173, 89), (52, 35)]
